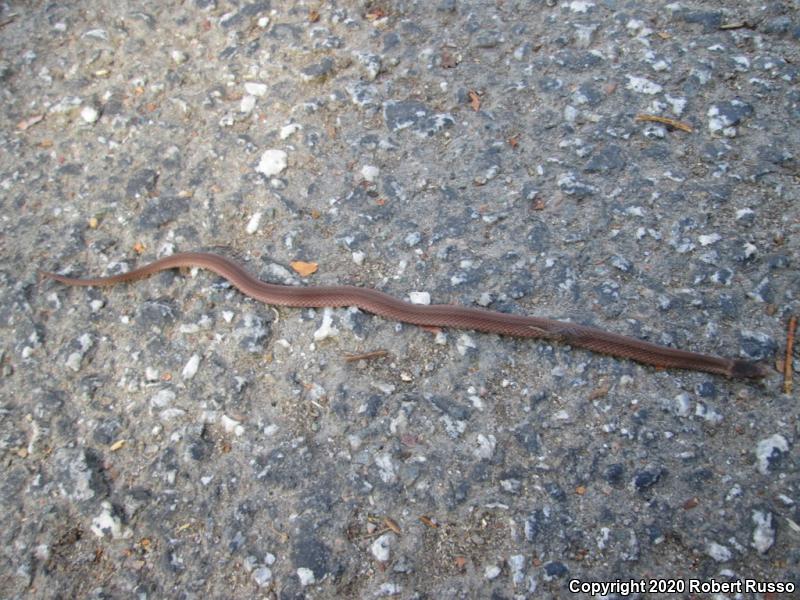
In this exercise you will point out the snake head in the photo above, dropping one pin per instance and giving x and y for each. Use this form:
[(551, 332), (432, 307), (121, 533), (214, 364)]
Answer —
[(747, 369)]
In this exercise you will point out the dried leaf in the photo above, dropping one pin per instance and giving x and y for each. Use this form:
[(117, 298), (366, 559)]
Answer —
[(787, 366), (313, 16), (474, 100), (429, 522), (390, 523), (366, 355), (304, 268), (665, 121)]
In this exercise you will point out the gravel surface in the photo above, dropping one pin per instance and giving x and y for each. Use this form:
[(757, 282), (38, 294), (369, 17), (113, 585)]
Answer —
[(175, 439)]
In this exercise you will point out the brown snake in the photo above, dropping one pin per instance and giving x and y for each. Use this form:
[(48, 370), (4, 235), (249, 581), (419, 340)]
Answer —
[(436, 315)]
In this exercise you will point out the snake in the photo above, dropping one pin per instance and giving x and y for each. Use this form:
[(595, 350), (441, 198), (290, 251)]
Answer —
[(435, 315)]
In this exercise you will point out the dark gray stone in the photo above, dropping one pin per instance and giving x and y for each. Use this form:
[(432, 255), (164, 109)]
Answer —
[(160, 211), (710, 20), (606, 159), (734, 111), (555, 570), (449, 407), (756, 345), (318, 71), (141, 183), (614, 473), (644, 480), (156, 314)]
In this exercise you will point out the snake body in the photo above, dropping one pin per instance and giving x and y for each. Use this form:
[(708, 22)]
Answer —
[(436, 315)]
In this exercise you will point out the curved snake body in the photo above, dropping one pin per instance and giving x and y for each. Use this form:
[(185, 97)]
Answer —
[(436, 315)]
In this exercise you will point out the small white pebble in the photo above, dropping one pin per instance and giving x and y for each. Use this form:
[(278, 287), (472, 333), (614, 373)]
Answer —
[(262, 576), (179, 56), (491, 572), (253, 223), (74, 360), (642, 85), (764, 533), (109, 524), (707, 240), (718, 552), (90, 114), (306, 576), (517, 564), (231, 425), (419, 297), (272, 162), (255, 89), (389, 589), (484, 446), (380, 548), (750, 250), (327, 329), (289, 129), (570, 114), (247, 104), (190, 368), (580, 6), (464, 344), (682, 404), (370, 173), (358, 258), (485, 299), (766, 449)]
